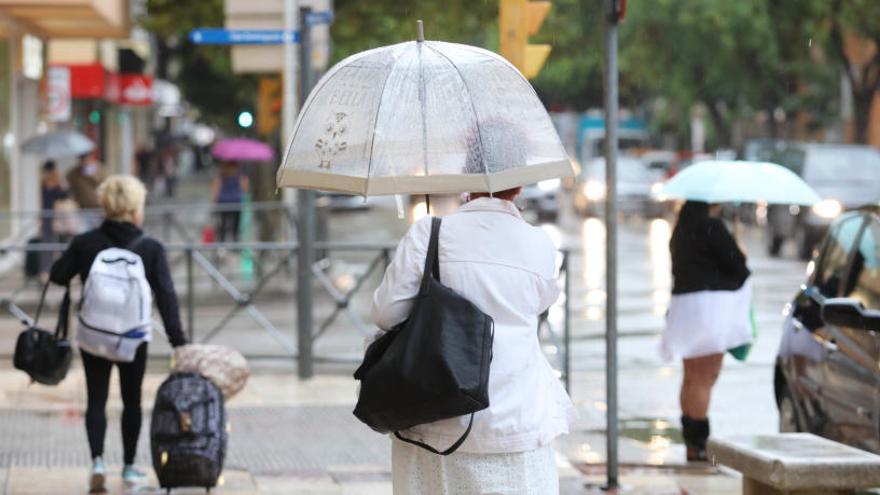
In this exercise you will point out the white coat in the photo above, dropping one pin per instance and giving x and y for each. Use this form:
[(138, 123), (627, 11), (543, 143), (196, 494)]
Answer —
[(491, 256)]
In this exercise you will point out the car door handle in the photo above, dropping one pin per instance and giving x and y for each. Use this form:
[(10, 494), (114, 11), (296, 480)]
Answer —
[(830, 345)]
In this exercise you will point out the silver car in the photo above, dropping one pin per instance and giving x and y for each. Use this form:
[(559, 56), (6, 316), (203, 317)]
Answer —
[(637, 188), (845, 176)]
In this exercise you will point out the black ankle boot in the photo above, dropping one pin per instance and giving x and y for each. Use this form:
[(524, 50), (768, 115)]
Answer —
[(695, 433)]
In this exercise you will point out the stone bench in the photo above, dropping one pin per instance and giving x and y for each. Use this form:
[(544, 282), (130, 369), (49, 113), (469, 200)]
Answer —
[(796, 464)]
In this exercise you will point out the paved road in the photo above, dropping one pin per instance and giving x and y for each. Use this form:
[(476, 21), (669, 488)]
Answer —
[(648, 386)]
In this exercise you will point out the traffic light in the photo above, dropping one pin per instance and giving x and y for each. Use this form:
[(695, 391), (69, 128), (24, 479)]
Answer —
[(268, 105), (518, 20)]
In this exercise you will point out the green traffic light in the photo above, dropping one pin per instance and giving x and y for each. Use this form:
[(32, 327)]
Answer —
[(245, 119), (94, 117)]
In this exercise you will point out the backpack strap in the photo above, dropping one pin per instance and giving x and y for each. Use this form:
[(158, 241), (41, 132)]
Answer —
[(134, 243)]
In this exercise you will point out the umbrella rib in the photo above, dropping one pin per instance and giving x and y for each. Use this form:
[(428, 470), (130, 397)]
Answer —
[(476, 117), (375, 123), (423, 101)]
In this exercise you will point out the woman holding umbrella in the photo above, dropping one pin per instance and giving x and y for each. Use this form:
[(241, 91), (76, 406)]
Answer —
[(231, 185), (708, 313), (431, 117)]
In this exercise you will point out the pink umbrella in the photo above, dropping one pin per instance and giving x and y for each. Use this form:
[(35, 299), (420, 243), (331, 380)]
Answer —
[(242, 150)]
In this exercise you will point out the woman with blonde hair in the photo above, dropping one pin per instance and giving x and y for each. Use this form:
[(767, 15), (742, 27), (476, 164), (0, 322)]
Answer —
[(122, 198)]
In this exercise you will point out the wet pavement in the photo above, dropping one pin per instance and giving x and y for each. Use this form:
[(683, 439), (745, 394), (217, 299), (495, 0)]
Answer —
[(651, 452)]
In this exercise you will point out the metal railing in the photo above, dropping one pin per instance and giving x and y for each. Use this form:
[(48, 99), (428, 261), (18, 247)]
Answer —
[(273, 267)]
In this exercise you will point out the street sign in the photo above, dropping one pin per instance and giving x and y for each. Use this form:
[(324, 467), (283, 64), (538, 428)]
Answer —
[(220, 36), (322, 17)]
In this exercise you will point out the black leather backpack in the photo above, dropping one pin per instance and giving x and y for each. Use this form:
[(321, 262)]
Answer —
[(433, 366)]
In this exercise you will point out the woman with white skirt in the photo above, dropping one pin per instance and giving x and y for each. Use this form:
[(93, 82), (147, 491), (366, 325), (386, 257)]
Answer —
[(507, 268), (708, 314)]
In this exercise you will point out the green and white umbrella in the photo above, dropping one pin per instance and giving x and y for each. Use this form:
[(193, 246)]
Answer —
[(734, 181)]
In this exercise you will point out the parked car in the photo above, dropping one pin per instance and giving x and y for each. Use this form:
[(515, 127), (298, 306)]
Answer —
[(637, 188), (827, 377), (846, 176)]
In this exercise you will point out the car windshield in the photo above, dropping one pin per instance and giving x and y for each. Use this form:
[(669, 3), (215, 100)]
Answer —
[(832, 165)]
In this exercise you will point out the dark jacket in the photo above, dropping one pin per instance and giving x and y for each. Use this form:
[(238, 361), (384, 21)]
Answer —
[(78, 258), (704, 254)]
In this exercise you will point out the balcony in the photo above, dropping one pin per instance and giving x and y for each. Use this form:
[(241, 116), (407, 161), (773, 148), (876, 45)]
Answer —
[(70, 18)]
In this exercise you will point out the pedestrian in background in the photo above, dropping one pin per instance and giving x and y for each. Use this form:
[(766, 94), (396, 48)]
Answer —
[(228, 189), (145, 159), (50, 193), (507, 268), (168, 170), (122, 199), (83, 181), (709, 313)]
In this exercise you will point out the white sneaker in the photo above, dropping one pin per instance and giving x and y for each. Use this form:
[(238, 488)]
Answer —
[(132, 475)]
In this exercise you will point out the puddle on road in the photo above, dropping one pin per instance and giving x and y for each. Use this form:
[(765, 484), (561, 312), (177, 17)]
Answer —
[(652, 431)]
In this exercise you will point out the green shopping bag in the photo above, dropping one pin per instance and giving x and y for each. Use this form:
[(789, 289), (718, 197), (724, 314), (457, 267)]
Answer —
[(740, 353)]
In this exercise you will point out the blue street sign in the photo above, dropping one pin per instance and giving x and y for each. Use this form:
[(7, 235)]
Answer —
[(322, 17), (220, 36)]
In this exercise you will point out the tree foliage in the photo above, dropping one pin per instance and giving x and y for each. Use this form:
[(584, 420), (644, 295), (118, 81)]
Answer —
[(204, 73)]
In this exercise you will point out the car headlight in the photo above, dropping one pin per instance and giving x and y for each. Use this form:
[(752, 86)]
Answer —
[(828, 208), (594, 190), (549, 185), (656, 187)]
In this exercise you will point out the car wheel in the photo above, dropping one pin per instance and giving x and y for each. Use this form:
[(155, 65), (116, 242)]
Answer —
[(788, 419)]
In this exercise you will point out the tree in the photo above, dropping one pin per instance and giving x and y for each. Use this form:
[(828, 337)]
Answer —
[(732, 58), (204, 73), (861, 19)]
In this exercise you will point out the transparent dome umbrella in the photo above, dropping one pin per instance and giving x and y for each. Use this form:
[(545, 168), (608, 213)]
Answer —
[(732, 181), (422, 117)]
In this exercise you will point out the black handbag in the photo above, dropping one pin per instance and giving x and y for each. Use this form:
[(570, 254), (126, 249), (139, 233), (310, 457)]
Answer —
[(433, 366), (44, 355)]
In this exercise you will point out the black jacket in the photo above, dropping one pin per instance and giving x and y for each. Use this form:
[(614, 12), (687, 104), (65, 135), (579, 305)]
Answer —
[(78, 258), (704, 254)]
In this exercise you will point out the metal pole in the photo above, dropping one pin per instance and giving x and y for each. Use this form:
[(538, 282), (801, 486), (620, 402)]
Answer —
[(288, 81), (306, 254), (566, 263), (190, 296), (611, 122)]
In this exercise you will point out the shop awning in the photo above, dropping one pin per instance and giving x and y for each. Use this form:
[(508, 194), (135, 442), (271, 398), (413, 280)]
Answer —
[(70, 18)]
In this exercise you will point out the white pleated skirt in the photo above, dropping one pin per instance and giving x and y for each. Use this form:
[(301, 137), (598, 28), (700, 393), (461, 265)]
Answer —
[(416, 471), (707, 322)]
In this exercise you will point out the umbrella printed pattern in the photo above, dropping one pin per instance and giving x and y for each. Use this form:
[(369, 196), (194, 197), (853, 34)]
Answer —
[(422, 117)]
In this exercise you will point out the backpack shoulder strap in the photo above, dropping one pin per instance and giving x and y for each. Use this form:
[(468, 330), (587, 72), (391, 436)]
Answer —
[(134, 243)]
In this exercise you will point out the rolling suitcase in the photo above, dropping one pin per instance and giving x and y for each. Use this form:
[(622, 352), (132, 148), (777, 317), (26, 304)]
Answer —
[(188, 432)]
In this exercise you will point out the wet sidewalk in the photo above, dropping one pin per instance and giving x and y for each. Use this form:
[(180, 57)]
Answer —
[(288, 437)]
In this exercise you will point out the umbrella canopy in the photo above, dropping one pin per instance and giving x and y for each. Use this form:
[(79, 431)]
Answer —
[(722, 181), (422, 117), (242, 150), (59, 144)]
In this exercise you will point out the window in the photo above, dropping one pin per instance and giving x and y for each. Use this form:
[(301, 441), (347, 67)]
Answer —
[(832, 271), (864, 285)]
